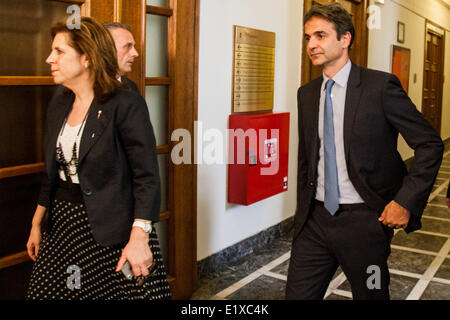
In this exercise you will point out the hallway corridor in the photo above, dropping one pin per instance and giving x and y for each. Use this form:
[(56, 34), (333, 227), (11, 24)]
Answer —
[(419, 263)]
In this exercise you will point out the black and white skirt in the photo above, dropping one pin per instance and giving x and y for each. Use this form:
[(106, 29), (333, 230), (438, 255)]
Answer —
[(70, 265)]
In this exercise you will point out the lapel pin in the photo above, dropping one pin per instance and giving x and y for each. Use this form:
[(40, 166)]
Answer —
[(99, 113)]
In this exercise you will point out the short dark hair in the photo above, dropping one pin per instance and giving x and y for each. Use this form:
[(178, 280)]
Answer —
[(116, 25), (335, 13)]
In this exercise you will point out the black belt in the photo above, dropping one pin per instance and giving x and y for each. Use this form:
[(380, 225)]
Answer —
[(344, 206), (68, 191)]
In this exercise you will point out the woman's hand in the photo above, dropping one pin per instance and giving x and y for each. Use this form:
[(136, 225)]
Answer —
[(34, 239), (137, 252), (33, 242)]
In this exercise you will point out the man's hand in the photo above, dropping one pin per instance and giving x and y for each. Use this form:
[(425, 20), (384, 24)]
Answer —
[(395, 216)]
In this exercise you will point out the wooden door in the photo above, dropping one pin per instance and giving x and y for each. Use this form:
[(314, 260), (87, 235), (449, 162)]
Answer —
[(433, 77), (168, 83), (26, 88), (358, 51)]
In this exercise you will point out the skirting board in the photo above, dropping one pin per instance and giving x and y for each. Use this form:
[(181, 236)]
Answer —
[(220, 260)]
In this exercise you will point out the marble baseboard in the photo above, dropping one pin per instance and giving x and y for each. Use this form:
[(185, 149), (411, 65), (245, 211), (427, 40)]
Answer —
[(219, 261)]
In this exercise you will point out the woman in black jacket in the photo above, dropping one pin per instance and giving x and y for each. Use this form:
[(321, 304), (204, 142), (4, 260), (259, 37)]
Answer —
[(101, 189)]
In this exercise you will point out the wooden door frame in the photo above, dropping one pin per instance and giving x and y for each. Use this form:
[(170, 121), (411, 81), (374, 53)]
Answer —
[(183, 43), (182, 80), (184, 69), (428, 22), (306, 66)]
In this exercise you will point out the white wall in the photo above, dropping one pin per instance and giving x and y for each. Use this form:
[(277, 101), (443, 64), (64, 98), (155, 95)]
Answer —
[(219, 224), (414, 14)]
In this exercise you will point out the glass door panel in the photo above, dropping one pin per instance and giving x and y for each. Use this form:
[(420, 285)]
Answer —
[(161, 229), (157, 103), (22, 114), (156, 46), (157, 98), (158, 3), (163, 175), (25, 35)]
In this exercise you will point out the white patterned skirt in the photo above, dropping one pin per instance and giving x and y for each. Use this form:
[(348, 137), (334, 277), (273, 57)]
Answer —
[(71, 265)]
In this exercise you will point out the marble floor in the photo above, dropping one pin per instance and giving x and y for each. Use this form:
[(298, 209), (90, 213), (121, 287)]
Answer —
[(419, 263)]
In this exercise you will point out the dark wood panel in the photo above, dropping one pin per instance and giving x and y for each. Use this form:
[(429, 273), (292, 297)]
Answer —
[(182, 229), (17, 202), (25, 35), (14, 281), (70, 1), (22, 117), (133, 14), (161, 11), (26, 81), (162, 149), (164, 216), (14, 259), (433, 78), (21, 170), (157, 81), (103, 10)]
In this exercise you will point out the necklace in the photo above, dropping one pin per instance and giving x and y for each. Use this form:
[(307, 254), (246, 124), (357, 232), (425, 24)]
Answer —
[(70, 167)]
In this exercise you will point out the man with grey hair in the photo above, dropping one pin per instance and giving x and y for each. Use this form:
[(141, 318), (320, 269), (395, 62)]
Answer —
[(126, 52)]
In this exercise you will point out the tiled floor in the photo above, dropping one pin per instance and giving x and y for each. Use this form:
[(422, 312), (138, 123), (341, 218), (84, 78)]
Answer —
[(419, 263)]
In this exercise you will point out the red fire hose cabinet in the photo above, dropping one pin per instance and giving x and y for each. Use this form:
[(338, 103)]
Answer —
[(258, 152)]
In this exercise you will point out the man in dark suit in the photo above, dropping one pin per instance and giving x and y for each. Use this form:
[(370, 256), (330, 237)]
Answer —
[(353, 187), (126, 52)]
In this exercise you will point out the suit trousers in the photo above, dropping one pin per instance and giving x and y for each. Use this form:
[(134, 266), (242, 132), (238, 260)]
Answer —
[(354, 239)]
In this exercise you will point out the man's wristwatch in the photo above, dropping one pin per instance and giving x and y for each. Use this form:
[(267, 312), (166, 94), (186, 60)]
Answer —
[(146, 226)]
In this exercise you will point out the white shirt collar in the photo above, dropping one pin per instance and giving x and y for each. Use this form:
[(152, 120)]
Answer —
[(341, 78)]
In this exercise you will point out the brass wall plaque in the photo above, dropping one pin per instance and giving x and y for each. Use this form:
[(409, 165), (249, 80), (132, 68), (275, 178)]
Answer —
[(253, 69)]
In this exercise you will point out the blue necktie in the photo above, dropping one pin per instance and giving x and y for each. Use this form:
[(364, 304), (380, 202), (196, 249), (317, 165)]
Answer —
[(331, 174)]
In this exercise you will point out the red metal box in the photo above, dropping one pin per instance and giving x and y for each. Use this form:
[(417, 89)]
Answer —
[(258, 152)]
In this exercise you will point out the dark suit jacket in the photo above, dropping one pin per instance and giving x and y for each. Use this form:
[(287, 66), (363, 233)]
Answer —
[(130, 84), (376, 110), (118, 168)]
